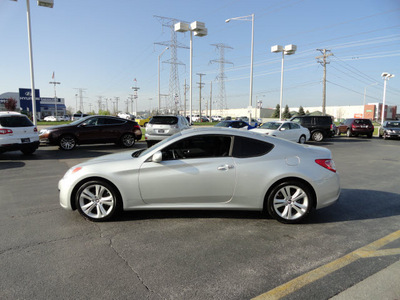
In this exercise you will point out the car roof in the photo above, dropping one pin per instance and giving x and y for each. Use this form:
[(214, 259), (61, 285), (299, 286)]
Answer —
[(9, 113)]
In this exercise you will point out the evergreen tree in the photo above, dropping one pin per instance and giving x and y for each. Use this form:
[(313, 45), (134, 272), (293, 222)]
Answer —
[(286, 114), (276, 111), (301, 111)]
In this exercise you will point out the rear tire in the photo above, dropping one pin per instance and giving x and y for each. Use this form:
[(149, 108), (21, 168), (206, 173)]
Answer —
[(317, 136), (290, 202), (28, 151), (127, 140), (302, 139), (349, 134)]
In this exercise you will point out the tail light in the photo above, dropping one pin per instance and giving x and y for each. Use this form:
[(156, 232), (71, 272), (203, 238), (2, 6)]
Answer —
[(327, 164), (35, 129), (5, 131)]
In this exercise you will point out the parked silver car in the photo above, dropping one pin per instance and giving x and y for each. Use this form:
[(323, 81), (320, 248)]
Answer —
[(161, 127), (206, 168)]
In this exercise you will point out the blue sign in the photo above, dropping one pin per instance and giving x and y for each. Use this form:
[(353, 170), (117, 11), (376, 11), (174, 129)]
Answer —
[(25, 99)]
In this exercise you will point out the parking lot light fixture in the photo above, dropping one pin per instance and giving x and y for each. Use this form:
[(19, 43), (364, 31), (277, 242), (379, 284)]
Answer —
[(385, 76), (199, 29), (248, 18), (46, 3), (287, 50)]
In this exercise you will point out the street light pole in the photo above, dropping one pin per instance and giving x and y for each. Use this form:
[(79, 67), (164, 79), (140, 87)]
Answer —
[(249, 18), (385, 76), (159, 93), (46, 3), (55, 96), (287, 50), (200, 30)]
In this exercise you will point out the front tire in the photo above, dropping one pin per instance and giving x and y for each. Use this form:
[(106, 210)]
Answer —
[(67, 142), (290, 202), (317, 136), (98, 201), (127, 140)]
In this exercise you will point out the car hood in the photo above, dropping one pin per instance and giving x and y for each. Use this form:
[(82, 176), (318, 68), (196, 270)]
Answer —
[(58, 126), (126, 155), (262, 130)]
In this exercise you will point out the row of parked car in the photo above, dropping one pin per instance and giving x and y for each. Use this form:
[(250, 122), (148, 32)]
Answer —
[(18, 133)]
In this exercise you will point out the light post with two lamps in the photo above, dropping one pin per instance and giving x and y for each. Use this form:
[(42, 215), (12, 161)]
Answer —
[(200, 30), (385, 76), (287, 50), (45, 3), (248, 18)]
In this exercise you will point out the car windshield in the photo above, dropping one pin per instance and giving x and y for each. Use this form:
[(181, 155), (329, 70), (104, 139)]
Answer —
[(168, 120), (148, 150), (270, 125), (15, 121), (76, 122), (393, 124), (223, 124)]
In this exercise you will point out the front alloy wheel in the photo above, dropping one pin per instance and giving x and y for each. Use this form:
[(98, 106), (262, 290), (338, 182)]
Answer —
[(97, 201), (302, 139), (290, 202), (67, 142)]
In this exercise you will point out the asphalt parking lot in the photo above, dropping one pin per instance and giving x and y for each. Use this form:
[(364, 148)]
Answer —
[(47, 252)]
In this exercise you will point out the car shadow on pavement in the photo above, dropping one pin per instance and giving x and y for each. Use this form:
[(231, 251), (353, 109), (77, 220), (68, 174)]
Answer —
[(189, 214), (11, 165), (355, 205)]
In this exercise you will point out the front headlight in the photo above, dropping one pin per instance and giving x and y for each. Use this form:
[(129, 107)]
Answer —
[(44, 131)]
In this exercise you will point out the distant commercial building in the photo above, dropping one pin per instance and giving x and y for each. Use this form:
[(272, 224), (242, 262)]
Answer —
[(45, 106)]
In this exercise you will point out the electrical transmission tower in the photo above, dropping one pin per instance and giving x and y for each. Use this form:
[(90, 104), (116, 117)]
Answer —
[(322, 60), (174, 87), (221, 102)]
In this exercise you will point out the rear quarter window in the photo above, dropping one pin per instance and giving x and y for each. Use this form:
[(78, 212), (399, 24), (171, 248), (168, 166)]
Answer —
[(246, 147)]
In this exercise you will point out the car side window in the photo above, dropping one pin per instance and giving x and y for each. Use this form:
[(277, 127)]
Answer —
[(92, 122), (245, 147), (198, 147), (109, 121), (285, 126), (294, 126)]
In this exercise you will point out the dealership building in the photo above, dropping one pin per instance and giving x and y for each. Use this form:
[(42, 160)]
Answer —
[(45, 106)]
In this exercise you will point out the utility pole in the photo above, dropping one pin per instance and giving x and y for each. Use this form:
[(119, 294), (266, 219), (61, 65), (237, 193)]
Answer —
[(81, 90), (210, 101), (116, 101), (323, 62), (200, 87), (100, 102)]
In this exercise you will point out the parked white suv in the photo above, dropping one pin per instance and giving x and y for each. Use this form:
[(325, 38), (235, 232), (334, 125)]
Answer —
[(161, 127), (17, 132)]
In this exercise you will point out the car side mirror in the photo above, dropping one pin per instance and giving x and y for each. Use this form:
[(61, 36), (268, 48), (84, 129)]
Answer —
[(157, 157)]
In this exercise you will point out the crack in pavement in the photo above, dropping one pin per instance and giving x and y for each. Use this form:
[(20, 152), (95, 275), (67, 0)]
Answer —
[(141, 280)]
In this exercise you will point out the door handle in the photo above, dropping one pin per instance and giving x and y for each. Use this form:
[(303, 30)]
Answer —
[(225, 167)]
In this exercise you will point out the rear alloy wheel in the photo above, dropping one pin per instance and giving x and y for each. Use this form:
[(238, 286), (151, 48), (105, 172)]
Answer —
[(302, 139), (97, 200), (317, 136), (67, 142), (290, 202), (127, 140), (349, 134)]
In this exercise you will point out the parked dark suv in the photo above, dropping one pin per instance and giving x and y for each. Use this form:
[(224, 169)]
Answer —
[(356, 127), (320, 126), (92, 130)]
